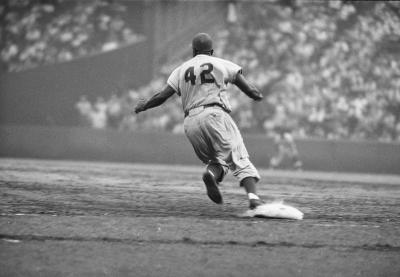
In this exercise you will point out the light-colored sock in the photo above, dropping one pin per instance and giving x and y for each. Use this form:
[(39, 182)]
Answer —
[(252, 196)]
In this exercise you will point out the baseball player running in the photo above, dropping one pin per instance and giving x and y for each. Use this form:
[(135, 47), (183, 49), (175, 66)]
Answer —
[(201, 83)]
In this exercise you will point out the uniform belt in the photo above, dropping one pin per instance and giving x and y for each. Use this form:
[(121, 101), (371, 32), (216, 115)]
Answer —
[(205, 106)]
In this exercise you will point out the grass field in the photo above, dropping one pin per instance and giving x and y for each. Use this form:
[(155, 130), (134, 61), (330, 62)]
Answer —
[(65, 218)]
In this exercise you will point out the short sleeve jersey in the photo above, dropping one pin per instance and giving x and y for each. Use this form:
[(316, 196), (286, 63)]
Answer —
[(203, 80)]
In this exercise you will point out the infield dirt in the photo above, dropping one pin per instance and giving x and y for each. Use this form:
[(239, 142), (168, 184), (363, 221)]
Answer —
[(65, 218)]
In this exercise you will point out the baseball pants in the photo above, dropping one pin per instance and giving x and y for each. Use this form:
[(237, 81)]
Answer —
[(217, 140)]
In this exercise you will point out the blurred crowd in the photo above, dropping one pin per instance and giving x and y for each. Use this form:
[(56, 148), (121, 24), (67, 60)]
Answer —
[(35, 32), (328, 70)]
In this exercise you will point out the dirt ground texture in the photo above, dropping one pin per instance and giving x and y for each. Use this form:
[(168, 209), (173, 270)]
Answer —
[(66, 218)]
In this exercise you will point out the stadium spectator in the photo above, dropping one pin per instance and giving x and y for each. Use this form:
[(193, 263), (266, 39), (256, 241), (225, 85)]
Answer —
[(336, 61), (35, 33)]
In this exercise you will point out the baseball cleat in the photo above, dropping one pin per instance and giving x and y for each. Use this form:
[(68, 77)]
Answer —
[(212, 188), (254, 203)]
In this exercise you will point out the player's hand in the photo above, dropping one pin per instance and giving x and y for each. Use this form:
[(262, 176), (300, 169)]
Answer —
[(140, 106), (258, 97)]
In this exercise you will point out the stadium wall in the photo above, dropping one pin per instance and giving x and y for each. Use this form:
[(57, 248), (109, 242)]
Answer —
[(47, 95), (107, 145)]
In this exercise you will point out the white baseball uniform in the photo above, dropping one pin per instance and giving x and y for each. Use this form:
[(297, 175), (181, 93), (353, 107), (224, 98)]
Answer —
[(201, 83)]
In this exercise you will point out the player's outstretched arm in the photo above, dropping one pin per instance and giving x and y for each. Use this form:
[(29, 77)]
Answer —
[(156, 100), (248, 88)]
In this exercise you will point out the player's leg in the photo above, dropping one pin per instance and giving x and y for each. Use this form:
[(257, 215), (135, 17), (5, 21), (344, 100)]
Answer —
[(229, 147), (248, 177), (249, 185), (244, 170), (211, 183), (217, 170), (214, 173)]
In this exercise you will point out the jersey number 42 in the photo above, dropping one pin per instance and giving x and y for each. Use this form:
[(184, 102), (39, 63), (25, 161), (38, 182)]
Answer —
[(205, 74)]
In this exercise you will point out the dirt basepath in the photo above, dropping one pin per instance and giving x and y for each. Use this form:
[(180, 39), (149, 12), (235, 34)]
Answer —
[(62, 218)]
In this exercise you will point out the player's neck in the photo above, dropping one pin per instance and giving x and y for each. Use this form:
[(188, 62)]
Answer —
[(208, 53)]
